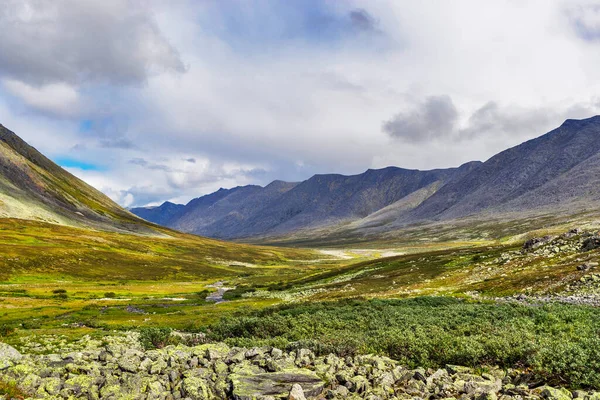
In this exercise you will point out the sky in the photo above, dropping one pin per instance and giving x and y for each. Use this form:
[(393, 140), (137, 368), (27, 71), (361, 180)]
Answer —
[(150, 101)]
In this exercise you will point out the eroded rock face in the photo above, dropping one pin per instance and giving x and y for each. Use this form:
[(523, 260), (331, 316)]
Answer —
[(119, 368)]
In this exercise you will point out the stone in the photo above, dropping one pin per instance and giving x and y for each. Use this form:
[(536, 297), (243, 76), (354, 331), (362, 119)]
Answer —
[(278, 384), (296, 393), (534, 243), (196, 388), (128, 364), (591, 243), (8, 356), (551, 393)]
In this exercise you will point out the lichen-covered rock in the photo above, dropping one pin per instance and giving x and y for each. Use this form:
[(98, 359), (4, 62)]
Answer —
[(196, 388), (551, 393), (296, 393), (8, 356), (119, 369), (278, 384)]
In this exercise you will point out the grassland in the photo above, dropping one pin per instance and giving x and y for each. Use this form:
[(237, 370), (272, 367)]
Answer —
[(55, 277), (73, 282)]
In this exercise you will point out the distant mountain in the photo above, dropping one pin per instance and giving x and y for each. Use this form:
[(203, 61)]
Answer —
[(33, 187), (559, 171), (160, 215), (281, 207), (556, 169)]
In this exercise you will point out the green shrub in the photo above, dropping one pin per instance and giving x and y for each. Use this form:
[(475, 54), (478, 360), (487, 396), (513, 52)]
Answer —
[(110, 295), (59, 291), (154, 337), (6, 330), (203, 294), (237, 293), (560, 343), (31, 324)]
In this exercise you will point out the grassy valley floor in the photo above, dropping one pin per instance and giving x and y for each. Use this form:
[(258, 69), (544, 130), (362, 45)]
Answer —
[(477, 303)]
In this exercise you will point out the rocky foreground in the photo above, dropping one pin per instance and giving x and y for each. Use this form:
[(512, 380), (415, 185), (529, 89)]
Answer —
[(119, 368)]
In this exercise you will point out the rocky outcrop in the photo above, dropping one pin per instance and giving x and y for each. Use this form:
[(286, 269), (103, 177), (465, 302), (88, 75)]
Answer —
[(118, 368)]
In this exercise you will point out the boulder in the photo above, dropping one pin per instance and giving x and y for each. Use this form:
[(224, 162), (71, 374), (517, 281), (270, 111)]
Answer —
[(277, 384), (296, 393), (551, 393), (591, 243), (534, 243), (8, 356)]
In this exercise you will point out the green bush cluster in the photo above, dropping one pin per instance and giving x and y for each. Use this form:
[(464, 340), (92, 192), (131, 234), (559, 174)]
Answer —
[(560, 343), (155, 337), (237, 292), (6, 330)]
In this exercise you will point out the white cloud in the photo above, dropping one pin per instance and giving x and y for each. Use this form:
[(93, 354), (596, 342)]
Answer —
[(56, 98), (282, 92)]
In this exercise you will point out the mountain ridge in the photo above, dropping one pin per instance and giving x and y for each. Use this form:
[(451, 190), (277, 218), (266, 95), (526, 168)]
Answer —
[(282, 207), (554, 169)]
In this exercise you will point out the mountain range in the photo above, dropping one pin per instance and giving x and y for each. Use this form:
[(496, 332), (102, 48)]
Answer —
[(558, 169)]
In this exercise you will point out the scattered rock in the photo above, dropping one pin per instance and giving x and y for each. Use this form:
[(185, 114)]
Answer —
[(296, 393), (591, 243), (134, 310), (118, 368), (278, 384), (587, 266), (534, 243), (8, 356)]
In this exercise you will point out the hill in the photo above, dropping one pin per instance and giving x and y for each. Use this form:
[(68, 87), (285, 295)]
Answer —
[(35, 188), (55, 226)]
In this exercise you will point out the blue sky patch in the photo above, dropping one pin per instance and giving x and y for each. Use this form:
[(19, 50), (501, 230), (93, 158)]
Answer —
[(66, 162)]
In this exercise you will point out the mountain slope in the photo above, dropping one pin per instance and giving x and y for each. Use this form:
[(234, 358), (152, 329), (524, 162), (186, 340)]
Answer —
[(33, 187), (282, 208), (552, 169), (55, 226)]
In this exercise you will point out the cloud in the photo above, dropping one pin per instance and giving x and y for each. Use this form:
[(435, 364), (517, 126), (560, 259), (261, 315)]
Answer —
[(437, 118), (261, 90), (433, 119), (362, 20), (73, 41), (585, 19), (54, 98), (491, 119), (117, 143)]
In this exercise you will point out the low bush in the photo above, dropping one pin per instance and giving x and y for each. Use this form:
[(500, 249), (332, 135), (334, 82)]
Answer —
[(203, 294), (237, 292), (154, 337), (560, 343), (31, 324), (6, 330)]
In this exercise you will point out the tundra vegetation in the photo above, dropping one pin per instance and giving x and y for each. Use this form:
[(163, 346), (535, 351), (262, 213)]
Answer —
[(524, 305)]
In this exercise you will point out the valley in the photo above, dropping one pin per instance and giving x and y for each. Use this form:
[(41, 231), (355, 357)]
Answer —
[(69, 287)]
